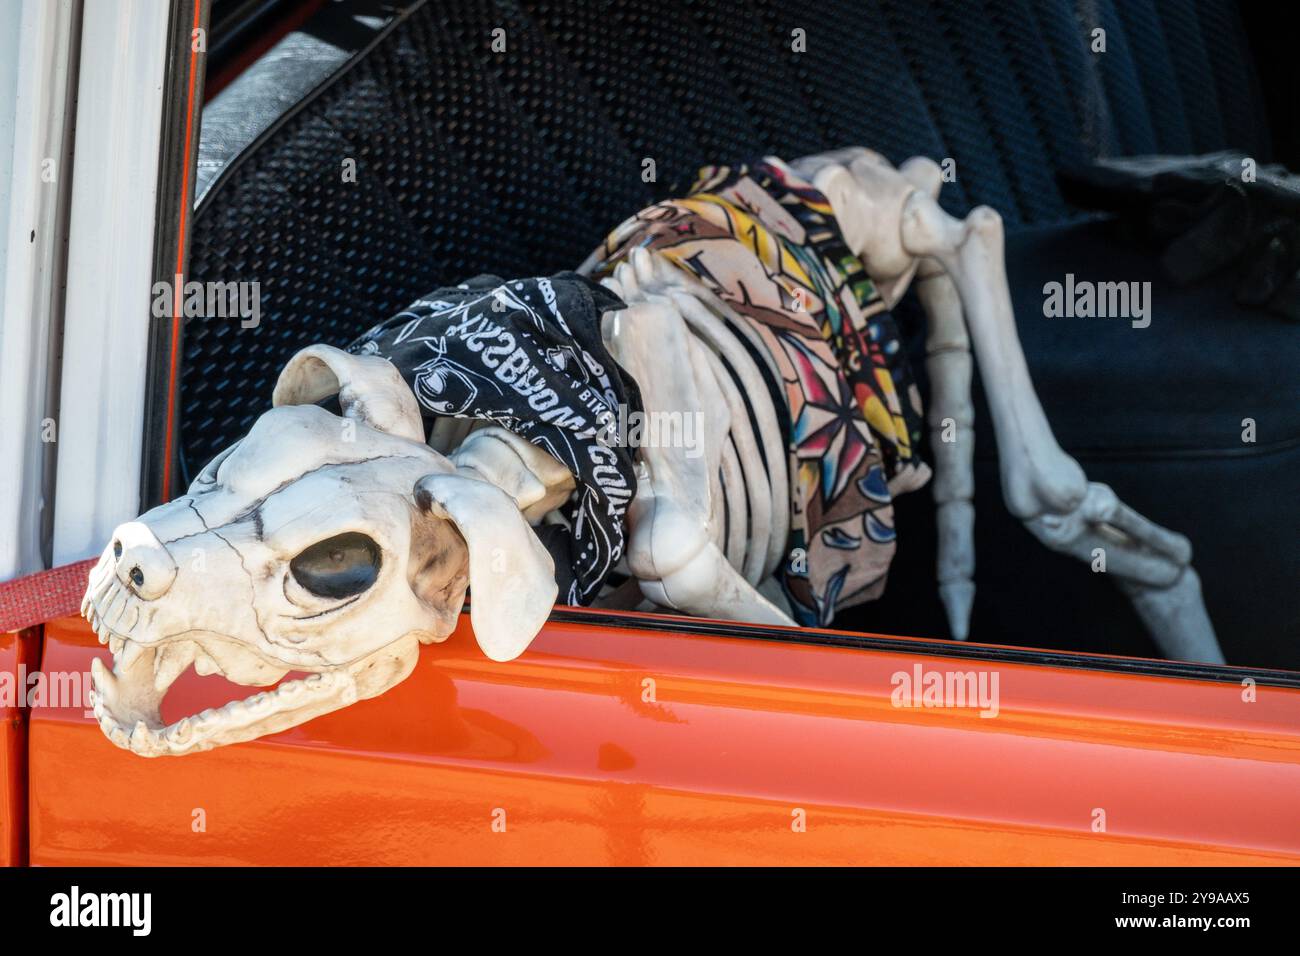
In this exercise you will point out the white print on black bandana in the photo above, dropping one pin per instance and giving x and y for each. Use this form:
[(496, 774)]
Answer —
[(527, 355)]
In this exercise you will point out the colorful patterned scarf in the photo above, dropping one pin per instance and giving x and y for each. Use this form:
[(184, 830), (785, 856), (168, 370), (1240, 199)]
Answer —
[(767, 243)]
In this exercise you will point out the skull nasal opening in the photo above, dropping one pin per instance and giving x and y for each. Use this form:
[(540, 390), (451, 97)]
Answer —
[(141, 562)]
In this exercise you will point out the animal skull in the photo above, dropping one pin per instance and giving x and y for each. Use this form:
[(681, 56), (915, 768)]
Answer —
[(318, 544)]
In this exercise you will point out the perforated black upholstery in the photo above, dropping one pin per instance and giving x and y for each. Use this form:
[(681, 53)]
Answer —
[(518, 162)]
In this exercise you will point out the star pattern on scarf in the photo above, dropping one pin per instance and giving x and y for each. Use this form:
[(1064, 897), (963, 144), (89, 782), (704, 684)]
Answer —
[(829, 427)]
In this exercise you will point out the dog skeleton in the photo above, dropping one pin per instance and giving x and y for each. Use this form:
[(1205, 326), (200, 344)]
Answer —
[(335, 545), (891, 220)]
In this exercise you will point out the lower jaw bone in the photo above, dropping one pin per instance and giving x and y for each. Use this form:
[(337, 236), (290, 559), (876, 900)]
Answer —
[(127, 700), (117, 707)]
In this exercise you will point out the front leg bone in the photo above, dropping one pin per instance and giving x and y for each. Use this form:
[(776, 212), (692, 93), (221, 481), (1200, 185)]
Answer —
[(762, 469), (1044, 486), (1037, 476), (671, 550), (951, 417)]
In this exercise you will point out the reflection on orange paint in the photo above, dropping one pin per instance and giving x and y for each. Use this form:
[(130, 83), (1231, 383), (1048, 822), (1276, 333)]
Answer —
[(18, 656), (634, 746)]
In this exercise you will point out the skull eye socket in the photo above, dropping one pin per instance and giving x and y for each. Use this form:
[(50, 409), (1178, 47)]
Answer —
[(337, 567)]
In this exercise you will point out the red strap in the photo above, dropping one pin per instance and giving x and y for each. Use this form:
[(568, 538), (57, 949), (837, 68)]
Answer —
[(43, 596)]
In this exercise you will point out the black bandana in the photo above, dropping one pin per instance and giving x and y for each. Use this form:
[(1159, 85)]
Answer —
[(527, 355)]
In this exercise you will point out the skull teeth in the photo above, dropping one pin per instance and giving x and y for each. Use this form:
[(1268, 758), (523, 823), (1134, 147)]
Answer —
[(109, 610), (182, 731), (205, 665), (131, 654), (198, 731), (170, 663)]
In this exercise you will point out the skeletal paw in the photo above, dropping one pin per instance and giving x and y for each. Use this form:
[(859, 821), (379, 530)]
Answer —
[(1103, 528)]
